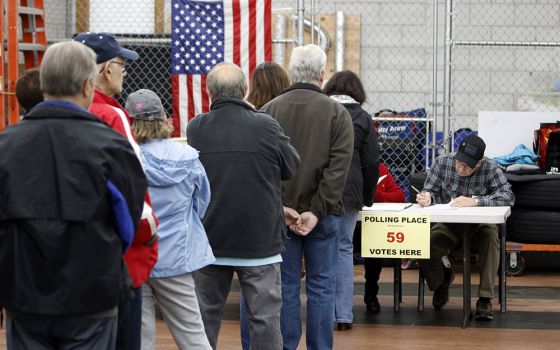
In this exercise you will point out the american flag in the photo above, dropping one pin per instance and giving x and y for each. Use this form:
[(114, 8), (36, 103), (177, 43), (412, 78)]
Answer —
[(204, 33)]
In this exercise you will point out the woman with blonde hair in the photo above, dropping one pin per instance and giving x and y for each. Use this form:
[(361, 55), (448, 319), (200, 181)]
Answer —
[(180, 195)]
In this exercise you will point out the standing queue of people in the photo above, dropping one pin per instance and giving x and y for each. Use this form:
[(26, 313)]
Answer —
[(253, 193)]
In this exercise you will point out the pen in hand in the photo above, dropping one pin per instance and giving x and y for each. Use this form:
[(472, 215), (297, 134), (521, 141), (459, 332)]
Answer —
[(423, 198), (415, 189)]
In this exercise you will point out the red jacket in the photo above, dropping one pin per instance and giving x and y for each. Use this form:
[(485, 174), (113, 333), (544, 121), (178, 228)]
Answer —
[(388, 190), (143, 254)]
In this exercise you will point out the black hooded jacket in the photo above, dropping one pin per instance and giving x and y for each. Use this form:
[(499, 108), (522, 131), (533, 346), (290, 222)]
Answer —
[(361, 182), (60, 249)]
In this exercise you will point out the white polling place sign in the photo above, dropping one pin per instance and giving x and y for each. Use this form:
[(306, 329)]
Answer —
[(390, 235)]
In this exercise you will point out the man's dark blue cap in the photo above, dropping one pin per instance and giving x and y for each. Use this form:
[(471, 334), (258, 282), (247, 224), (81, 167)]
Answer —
[(471, 150), (105, 46)]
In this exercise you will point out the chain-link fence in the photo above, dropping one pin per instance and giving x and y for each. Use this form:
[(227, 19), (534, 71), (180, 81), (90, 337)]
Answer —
[(139, 25), (504, 57), (396, 68)]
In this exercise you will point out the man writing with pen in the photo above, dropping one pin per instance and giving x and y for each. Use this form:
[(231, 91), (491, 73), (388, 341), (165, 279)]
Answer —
[(468, 179)]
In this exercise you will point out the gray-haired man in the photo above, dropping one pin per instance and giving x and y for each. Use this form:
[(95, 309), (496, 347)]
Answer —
[(321, 131), (71, 196)]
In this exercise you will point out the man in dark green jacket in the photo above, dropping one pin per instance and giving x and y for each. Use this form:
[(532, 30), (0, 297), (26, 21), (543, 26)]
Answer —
[(321, 131)]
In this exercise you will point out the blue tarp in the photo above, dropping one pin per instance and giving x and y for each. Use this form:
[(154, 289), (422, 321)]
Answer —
[(520, 155)]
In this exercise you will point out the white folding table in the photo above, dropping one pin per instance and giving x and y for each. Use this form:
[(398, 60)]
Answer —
[(471, 215)]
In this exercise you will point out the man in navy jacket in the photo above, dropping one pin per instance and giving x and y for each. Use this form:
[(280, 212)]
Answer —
[(246, 156), (71, 196)]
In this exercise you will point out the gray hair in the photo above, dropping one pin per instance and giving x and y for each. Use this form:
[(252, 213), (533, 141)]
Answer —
[(66, 67), (226, 80), (306, 64)]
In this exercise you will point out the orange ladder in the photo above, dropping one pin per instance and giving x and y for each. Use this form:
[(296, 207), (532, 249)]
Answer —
[(33, 45), (2, 54)]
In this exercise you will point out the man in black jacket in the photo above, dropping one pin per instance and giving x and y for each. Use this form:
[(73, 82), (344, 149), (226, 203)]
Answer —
[(71, 196), (246, 156)]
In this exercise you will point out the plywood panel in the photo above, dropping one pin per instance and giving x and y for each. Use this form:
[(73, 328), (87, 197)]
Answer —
[(159, 16), (82, 16), (328, 24)]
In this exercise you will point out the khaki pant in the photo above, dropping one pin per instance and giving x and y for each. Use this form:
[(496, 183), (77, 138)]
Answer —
[(445, 238), (177, 300)]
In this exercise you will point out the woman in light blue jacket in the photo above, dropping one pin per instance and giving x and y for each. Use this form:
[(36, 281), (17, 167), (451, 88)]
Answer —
[(180, 194)]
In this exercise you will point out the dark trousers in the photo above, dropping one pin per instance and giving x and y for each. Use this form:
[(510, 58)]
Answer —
[(372, 268), (445, 238), (61, 333), (261, 286), (130, 322)]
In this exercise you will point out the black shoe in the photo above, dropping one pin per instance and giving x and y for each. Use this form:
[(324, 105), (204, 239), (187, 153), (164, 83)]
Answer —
[(342, 326), (484, 309), (441, 295), (372, 306)]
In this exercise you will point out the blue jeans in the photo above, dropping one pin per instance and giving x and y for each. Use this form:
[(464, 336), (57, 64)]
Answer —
[(244, 323), (345, 268), (320, 248)]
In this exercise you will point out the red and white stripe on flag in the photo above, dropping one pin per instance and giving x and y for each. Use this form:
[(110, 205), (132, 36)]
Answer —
[(247, 41)]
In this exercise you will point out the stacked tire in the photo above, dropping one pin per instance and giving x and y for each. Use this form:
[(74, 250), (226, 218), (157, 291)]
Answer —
[(535, 217)]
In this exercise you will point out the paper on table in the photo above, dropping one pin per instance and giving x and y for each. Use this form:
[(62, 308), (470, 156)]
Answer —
[(381, 179), (387, 206), (446, 206)]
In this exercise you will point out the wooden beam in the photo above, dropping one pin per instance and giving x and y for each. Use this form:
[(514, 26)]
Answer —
[(82, 16), (159, 16)]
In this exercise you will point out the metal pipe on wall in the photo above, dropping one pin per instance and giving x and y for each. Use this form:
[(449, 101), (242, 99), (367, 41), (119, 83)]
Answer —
[(278, 47), (70, 18), (301, 18), (434, 84), (324, 43), (447, 76), (339, 41), (506, 43), (312, 22)]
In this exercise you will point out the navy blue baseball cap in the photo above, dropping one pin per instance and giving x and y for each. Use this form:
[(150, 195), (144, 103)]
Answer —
[(471, 150), (105, 46)]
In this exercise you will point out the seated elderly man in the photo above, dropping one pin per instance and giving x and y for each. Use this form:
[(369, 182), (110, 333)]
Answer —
[(71, 196), (468, 179)]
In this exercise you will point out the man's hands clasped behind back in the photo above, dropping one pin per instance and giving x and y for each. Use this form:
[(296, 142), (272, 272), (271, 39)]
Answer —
[(300, 224)]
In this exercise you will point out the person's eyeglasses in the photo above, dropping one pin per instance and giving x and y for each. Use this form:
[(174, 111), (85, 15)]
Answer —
[(122, 64)]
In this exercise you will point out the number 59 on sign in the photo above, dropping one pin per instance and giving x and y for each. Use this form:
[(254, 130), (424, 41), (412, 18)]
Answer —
[(388, 235)]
